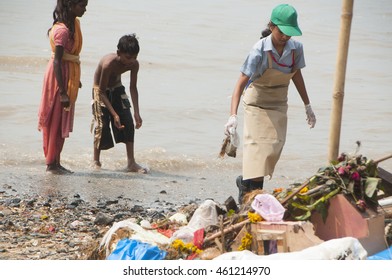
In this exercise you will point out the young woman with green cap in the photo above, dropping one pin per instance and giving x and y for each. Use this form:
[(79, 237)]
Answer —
[(272, 63)]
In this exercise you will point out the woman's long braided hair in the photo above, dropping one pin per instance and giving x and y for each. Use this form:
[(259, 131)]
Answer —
[(61, 14), (266, 32)]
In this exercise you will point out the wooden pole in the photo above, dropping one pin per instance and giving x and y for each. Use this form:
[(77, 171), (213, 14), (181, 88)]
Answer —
[(338, 90)]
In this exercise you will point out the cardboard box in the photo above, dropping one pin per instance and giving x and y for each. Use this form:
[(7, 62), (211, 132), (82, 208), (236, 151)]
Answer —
[(345, 220), (289, 236)]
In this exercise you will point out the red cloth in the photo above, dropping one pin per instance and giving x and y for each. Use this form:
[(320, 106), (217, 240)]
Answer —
[(198, 238)]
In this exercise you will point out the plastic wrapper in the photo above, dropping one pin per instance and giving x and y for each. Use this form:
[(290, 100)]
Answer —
[(130, 249), (268, 207)]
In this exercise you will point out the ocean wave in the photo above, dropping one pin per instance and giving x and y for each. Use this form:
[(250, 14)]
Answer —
[(21, 63), (154, 158)]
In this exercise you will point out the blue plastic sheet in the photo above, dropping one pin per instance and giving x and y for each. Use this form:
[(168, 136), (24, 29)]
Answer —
[(130, 249), (383, 255)]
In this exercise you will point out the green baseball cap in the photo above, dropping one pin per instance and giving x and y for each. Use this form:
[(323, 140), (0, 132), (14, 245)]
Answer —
[(285, 17)]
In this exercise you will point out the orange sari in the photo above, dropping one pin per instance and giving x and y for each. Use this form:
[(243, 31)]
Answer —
[(55, 122), (73, 61)]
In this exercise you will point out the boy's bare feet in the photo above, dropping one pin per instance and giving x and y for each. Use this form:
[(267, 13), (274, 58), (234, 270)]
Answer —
[(136, 168)]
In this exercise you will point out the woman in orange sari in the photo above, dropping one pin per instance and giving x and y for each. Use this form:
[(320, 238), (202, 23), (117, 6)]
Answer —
[(61, 81)]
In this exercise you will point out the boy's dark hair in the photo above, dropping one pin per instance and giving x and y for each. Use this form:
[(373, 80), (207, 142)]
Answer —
[(128, 44)]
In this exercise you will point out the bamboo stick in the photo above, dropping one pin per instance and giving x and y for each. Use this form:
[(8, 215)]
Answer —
[(226, 230), (294, 193), (338, 91), (223, 249), (316, 190), (377, 161)]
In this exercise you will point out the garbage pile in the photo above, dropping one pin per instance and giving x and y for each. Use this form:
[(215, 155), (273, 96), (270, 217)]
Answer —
[(52, 226), (213, 230)]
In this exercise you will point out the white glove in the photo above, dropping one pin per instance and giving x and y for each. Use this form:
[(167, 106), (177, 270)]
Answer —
[(310, 116), (231, 125)]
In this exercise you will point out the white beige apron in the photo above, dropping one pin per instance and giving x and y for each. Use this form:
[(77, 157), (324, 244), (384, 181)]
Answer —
[(265, 122)]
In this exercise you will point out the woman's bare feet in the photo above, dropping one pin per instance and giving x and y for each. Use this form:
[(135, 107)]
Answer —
[(96, 164), (57, 169), (136, 168), (64, 170)]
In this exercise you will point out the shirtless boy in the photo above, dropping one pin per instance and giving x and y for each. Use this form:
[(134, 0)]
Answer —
[(111, 104)]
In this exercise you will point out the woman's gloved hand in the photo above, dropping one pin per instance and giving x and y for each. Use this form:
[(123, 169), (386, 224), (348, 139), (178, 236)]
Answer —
[(310, 116), (231, 125)]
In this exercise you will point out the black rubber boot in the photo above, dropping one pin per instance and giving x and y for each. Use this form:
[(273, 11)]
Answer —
[(256, 185), (243, 188)]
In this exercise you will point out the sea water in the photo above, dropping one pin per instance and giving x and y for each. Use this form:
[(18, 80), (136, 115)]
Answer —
[(191, 52)]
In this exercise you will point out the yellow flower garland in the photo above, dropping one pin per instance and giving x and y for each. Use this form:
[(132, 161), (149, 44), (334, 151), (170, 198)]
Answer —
[(178, 244)]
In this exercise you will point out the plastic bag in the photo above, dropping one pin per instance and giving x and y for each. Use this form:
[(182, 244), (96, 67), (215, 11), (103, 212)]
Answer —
[(205, 215), (232, 143), (234, 137), (268, 207), (348, 248), (383, 255), (141, 234), (130, 249)]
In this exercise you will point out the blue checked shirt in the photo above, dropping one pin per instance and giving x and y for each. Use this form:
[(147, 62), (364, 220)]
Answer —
[(257, 60)]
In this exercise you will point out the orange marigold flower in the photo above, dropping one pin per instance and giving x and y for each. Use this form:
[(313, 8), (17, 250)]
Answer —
[(278, 190)]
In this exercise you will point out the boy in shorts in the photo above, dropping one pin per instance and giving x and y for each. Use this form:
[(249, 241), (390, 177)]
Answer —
[(111, 106)]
